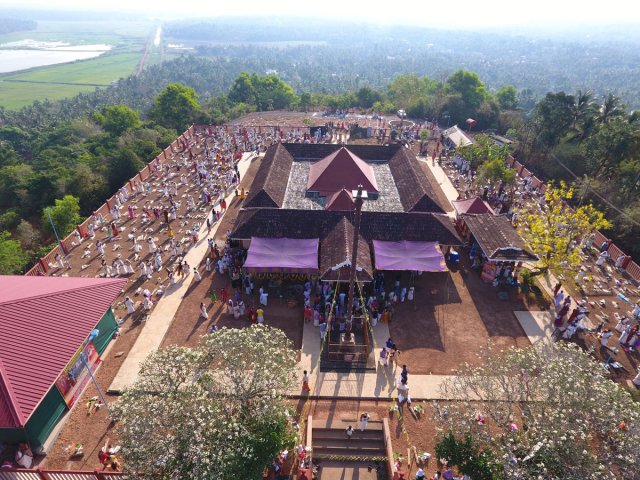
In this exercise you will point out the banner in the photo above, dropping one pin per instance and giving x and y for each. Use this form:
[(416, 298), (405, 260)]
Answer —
[(74, 378)]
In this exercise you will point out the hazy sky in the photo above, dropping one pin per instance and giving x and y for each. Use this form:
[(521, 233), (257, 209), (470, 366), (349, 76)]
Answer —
[(447, 14)]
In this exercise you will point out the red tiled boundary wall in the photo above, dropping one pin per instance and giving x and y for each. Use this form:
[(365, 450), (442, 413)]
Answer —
[(631, 267), (42, 267), (45, 474)]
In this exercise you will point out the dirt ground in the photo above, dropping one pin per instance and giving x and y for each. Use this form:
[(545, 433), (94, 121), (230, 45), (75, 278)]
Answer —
[(599, 290), (188, 327), (452, 316), (93, 431)]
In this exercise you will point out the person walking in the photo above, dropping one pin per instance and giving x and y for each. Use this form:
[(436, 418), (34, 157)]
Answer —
[(349, 432), (305, 382), (196, 274), (364, 420), (383, 356), (203, 310)]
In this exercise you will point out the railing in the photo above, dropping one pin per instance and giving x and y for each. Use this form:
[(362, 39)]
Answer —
[(47, 474)]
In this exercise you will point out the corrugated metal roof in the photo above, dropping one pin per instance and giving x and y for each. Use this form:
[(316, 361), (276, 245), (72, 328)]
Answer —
[(43, 322)]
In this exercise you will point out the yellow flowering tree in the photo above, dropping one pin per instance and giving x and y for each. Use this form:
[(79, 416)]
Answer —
[(553, 229)]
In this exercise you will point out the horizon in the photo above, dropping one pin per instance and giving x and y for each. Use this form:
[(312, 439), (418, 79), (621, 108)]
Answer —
[(548, 16)]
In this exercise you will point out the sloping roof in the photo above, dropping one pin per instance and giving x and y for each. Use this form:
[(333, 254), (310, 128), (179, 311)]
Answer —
[(417, 194), (497, 238), (341, 201), (270, 183), (336, 251), (473, 205), (341, 169), (457, 136), (277, 223), (43, 322), (316, 151)]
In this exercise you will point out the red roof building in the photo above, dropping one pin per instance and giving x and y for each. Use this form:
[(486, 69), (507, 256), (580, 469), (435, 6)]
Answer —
[(473, 205), (44, 321), (340, 201), (341, 170)]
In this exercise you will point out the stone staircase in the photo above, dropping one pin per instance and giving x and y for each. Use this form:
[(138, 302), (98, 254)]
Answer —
[(363, 457)]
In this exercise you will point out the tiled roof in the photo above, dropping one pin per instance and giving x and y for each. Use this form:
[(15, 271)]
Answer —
[(316, 151), (417, 193), (270, 183), (340, 201), (277, 223), (471, 205), (336, 252), (341, 169), (43, 322), (497, 238)]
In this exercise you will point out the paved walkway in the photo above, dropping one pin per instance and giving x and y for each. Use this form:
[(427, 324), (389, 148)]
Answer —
[(443, 180), (162, 315), (364, 386)]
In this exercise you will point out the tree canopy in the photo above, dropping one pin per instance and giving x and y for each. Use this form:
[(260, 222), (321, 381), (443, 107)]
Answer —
[(176, 107), (65, 215), (117, 119), (553, 232), (210, 411), (539, 413)]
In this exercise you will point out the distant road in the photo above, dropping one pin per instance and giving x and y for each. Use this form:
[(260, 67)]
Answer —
[(56, 83)]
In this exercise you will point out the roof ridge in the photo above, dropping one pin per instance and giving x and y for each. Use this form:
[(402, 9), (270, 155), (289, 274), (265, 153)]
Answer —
[(110, 281), (14, 407)]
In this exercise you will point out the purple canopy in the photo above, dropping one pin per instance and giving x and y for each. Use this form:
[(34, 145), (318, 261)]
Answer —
[(289, 255), (421, 256)]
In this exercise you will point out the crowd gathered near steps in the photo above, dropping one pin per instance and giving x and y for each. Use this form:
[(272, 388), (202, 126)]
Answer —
[(153, 225)]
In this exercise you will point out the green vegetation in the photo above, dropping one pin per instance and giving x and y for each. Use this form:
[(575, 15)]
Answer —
[(65, 215), (55, 82)]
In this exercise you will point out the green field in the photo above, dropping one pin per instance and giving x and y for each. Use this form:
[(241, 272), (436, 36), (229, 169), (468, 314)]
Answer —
[(127, 38)]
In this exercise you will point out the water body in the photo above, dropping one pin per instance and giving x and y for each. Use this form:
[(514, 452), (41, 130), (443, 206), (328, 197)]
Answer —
[(13, 58), (156, 40)]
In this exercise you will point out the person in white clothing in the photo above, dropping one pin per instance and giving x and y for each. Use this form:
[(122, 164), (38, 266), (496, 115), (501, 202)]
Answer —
[(196, 274), (203, 310), (130, 305)]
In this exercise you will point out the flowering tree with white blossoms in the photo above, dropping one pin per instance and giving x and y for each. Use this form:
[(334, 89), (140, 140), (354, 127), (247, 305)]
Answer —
[(540, 413), (214, 411)]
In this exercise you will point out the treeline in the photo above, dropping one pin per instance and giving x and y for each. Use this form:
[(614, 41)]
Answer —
[(8, 25), (83, 149), (594, 144), (332, 57)]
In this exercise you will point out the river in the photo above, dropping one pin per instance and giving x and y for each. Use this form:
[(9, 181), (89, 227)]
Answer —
[(13, 58)]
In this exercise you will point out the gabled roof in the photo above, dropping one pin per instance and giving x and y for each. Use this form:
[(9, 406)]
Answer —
[(341, 201), (341, 169), (270, 183), (473, 205), (457, 136), (417, 194), (43, 322), (336, 251), (497, 238)]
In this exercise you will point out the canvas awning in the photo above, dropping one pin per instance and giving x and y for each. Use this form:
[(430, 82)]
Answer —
[(282, 255), (405, 255)]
